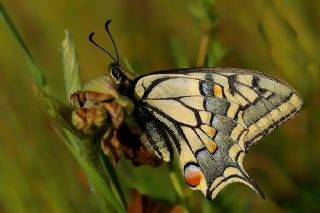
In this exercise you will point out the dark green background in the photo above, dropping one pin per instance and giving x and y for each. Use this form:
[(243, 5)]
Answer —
[(279, 37)]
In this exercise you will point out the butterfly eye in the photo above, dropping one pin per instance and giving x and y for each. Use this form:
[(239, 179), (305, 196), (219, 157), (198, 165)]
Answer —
[(115, 72)]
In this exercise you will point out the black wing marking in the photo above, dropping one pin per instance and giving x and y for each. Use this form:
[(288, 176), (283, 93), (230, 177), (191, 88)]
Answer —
[(211, 117)]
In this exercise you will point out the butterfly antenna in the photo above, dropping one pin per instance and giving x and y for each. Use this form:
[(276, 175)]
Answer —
[(97, 45), (114, 44)]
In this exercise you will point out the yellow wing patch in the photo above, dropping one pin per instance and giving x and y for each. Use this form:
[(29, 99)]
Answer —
[(174, 110), (214, 116), (210, 131)]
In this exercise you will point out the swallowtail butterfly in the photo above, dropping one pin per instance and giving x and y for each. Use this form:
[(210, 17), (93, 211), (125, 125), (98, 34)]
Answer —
[(209, 116)]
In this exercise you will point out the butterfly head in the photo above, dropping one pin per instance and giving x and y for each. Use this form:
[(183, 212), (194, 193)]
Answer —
[(121, 76), (118, 73)]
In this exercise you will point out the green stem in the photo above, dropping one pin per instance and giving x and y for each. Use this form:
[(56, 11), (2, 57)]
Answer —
[(116, 186), (92, 153)]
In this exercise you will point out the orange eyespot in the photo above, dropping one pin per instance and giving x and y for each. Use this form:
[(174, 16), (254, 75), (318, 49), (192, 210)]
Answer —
[(217, 91), (212, 147), (193, 176)]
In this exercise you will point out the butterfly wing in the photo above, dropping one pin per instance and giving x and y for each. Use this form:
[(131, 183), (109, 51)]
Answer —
[(211, 116)]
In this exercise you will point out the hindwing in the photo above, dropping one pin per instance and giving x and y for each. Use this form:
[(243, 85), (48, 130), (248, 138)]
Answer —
[(211, 116)]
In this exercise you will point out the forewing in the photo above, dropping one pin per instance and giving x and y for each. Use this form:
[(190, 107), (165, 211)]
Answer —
[(213, 116), (258, 103)]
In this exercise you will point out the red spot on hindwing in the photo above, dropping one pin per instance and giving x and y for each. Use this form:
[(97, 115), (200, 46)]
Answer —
[(193, 175)]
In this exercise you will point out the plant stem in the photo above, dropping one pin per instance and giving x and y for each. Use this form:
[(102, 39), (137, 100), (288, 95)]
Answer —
[(203, 50)]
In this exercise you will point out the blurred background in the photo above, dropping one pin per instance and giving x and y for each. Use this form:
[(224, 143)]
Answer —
[(278, 37)]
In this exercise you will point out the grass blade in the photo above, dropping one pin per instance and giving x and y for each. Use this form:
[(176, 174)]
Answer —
[(38, 77)]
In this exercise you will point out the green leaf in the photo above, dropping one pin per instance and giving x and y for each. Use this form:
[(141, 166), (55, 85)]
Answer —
[(70, 65), (59, 111), (38, 77)]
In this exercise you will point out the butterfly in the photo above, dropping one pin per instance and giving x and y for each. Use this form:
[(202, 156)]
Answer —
[(209, 117)]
